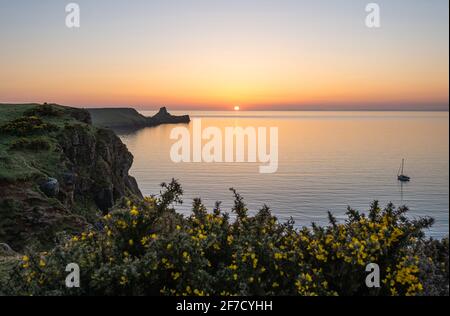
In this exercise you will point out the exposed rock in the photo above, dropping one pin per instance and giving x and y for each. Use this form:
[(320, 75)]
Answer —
[(6, 250), (104, 198), (50, 187), (101, 162)]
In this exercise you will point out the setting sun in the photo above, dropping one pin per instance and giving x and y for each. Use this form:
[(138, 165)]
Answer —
[(237, 108)]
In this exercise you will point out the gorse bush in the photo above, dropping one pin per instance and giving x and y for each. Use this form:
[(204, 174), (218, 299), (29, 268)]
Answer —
[(26, 126), (44, 110), (434, 267), (146, 248)]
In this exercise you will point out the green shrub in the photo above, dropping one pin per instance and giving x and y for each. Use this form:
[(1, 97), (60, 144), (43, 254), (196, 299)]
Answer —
[(145, 248), (33, 144), (44, 110), (26, 126)]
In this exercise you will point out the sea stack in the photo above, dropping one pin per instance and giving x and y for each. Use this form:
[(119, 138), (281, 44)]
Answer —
[(164, 117)]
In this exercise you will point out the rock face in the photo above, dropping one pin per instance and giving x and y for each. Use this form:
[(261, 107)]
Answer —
[(50, 187), (99, 163)]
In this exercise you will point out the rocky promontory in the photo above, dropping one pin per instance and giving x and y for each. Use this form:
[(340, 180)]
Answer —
[(58, 173), (128, 118)]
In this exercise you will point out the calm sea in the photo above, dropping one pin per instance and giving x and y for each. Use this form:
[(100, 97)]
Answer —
[(327, 161)]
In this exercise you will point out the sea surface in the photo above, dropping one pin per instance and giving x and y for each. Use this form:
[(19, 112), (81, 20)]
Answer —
[(327, 162)]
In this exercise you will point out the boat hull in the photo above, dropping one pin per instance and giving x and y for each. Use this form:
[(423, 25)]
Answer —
[(404, 178)]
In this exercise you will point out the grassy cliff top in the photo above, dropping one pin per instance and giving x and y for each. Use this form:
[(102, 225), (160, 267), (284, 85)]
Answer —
[(10, 112), (28, 138)]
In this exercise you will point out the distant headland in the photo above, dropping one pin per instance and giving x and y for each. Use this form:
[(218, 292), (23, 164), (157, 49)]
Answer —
[(129, 118)]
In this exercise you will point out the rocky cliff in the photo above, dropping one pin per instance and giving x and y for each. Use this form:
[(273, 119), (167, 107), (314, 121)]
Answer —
[(118, 118), (58, 173)]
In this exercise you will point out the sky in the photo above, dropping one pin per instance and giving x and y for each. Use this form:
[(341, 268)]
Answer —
[(215, 54)]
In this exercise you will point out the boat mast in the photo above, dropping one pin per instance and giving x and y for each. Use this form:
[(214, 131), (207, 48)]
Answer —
[(403, 165)]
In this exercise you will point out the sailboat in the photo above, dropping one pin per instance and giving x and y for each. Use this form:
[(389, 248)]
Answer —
[(401, 176)]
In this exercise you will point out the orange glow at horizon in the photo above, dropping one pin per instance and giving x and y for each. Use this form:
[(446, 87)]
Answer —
[(269, 60), (203, 86), (248, 80)]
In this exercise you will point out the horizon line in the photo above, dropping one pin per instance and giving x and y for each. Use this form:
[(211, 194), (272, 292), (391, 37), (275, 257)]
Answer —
[(433, 108)]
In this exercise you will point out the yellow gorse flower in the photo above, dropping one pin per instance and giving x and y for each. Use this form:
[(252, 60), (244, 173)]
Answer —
[(123, 280), (176, 275), (134, 211), (278, 256)]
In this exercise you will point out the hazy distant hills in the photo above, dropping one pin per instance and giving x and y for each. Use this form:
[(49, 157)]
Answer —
[(118, 118)]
